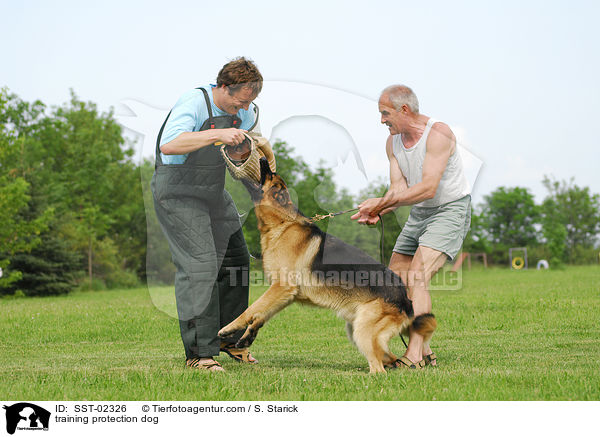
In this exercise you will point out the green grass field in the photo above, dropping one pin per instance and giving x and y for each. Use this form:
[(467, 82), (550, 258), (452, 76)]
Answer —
[(506, 335)]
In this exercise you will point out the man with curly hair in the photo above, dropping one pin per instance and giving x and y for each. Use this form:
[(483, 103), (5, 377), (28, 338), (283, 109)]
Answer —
[(197, 215)]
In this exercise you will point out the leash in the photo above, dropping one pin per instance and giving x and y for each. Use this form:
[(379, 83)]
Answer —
[(319, 217)]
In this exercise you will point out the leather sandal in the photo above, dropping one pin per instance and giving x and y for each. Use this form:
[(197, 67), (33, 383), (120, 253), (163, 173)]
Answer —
[(429, 358), (241, 355), (392, 365), (405, 363), (204, 364)]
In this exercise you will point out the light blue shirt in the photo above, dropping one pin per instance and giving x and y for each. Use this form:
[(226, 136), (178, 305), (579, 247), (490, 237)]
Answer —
[(190, 113)]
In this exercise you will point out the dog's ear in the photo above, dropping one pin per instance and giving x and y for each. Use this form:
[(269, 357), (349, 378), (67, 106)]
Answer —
[(265, 170)]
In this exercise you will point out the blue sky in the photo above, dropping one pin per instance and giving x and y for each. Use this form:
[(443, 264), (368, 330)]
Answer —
[(518, 80)]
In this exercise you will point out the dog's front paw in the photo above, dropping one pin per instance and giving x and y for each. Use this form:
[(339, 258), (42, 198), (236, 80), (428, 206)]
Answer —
[(227, 332), (247, 339), (249, 336), (235, 326)]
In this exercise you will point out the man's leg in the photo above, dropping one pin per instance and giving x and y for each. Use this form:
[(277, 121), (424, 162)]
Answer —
[(233, 282), (426, 262), (187, 228), (233, 260), (400, 264)]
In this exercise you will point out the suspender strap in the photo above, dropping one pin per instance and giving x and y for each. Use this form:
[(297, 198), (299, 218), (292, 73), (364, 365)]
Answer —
[(207, 100), (255, 119), (157, 158)]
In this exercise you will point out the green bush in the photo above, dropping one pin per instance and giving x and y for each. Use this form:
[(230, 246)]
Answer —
[(96, 285), (585, 255), (537, 253), (47, 270), (122, 279)]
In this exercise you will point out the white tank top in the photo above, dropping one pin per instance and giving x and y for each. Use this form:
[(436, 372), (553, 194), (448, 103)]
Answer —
[(453, 185)]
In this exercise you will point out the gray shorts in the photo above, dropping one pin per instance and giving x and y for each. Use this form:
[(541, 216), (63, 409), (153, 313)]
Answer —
[(442, 228)]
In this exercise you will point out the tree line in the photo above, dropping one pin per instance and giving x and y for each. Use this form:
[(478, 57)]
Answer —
[(76, 210), (564, 228), (70, 199)]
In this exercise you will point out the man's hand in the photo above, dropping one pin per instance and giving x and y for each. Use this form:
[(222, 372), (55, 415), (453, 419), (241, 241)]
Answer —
[(241, 152), (232, 136), (365, 210)]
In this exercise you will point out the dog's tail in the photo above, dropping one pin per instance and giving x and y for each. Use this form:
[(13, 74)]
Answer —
[(424, 325)]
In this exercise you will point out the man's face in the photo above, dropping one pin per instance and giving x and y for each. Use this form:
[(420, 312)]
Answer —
[(240, 99), (391, 117)]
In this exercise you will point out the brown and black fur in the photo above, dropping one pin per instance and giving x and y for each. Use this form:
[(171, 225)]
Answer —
[(374, 311)]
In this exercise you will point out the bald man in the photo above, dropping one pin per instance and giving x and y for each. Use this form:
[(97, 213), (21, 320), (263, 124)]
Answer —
[(425, 171)]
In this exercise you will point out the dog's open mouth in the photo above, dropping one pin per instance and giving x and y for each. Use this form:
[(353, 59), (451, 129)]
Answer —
[(255, 188)]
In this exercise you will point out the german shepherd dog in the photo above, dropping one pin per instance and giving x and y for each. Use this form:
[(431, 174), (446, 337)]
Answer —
[(305, 264)]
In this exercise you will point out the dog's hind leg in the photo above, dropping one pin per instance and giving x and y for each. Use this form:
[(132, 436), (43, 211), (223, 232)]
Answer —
[(365, 340), (369, 347), (389, 327), (276, 298), (384, 335)]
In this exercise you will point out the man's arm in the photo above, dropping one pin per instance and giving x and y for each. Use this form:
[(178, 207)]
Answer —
[(397, 185), (187, 142), (440, 145)]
